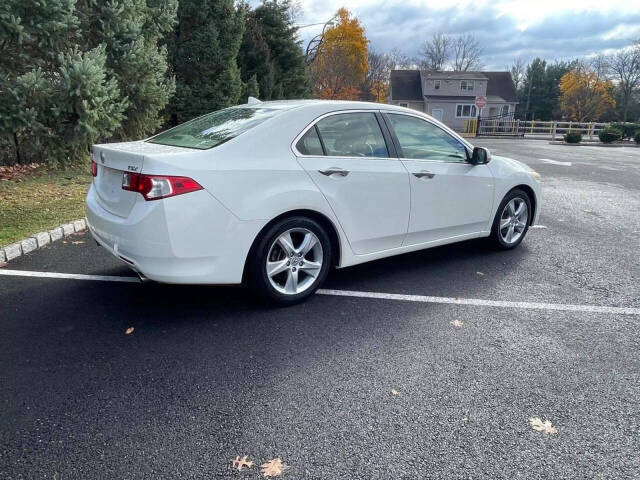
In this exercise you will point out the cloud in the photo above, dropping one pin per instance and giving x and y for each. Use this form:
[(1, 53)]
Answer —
[(503, 30)]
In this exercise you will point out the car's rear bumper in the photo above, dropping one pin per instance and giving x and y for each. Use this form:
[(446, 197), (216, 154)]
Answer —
[(189, 238)]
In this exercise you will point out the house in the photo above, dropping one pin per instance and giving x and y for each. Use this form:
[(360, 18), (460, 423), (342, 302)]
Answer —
[(450, 96)]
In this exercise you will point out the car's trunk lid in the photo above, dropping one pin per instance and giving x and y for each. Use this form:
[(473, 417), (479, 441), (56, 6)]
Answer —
[(113, 160)]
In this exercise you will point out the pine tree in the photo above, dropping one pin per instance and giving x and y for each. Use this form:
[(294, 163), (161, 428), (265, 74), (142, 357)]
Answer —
[(252, 89), (203, 53), (254, 57)]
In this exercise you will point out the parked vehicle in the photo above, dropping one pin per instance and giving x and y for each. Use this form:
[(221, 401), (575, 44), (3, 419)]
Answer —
[(273, 194)]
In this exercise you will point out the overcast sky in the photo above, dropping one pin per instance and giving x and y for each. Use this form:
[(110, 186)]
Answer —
[(560, 29)]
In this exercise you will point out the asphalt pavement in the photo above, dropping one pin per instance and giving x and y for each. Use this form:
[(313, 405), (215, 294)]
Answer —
[(341, 386)]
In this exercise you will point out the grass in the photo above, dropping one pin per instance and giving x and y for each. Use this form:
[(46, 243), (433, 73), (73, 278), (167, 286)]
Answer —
[(45, 199)]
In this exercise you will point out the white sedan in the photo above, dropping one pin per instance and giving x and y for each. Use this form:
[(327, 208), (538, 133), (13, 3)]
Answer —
[(273, 194)]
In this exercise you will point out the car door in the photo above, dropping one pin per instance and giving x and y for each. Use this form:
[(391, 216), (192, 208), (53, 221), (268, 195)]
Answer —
[(449, 196), (348, 158)]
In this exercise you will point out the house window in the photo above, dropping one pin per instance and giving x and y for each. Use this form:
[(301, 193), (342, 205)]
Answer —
[(404, 105), (504, 110), (436, 84), (466, 85), (466, 110)]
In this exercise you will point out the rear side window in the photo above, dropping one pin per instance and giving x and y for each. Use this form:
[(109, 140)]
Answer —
[(310, 144), (215, 128), (352, 135)]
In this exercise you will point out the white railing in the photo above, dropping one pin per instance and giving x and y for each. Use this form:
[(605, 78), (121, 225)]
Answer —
[(531, 128)]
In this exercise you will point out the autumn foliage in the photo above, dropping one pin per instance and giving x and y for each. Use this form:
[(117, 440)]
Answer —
[(584, 96), (341, 64)]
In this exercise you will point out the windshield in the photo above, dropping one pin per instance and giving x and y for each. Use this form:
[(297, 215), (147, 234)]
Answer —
[(214, 128)]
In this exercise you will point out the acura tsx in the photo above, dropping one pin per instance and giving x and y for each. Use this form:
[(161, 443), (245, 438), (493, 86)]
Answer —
[(273, 194)]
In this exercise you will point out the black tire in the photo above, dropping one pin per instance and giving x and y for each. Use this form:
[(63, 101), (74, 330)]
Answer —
[(258, 278), (496, 237)]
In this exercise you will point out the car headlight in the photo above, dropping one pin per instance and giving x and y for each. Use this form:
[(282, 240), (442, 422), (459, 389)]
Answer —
[(536, 175)]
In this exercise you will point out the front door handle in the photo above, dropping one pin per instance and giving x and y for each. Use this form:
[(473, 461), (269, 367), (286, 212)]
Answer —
[(334, 171), (424, 173)]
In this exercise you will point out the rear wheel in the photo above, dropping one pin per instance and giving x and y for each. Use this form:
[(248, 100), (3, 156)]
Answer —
[(512, 220), (291, 261)]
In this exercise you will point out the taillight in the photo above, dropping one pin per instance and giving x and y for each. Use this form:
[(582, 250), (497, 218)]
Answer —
[(155, 187), (94, 168)]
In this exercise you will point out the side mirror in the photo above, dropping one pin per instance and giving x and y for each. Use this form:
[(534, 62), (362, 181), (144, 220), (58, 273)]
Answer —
[(480, 156)]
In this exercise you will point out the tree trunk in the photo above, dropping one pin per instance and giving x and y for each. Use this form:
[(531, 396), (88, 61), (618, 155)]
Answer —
[(17, 145)]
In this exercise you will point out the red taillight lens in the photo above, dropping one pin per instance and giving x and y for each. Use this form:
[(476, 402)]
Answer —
[(94, 168), (155, 187)]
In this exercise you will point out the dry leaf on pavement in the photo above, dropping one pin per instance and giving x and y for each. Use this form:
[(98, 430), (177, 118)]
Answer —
[(3, 264), (456, 323), (240, 463), (273, 468), (541, 426), (395, 392), (129, 331), (78, 242), (480, 273)]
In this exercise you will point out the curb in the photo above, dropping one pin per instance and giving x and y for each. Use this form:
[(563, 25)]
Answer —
[(40, 239)]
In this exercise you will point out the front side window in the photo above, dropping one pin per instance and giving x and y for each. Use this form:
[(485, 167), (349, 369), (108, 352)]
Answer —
[(352, 135), (421, 140), (466, 85), (466, 111), (215, 128)]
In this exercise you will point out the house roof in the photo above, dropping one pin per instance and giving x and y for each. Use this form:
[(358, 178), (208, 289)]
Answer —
[(464, 98), (406, 85)]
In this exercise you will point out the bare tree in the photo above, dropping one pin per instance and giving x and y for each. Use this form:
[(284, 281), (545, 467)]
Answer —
[(625, 69), (377, 79), (436, 52), (600, 65), (399, 59), (466, 53), (517, 70)]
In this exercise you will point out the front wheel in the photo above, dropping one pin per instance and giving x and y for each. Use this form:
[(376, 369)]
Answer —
[(291, 261), (512, 220)]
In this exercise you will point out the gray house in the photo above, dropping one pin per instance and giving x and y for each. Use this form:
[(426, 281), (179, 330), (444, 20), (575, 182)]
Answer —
[(450, 96)]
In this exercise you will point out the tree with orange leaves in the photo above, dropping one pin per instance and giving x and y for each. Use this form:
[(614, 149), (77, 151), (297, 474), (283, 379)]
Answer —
[(340, 65), (584, 96)]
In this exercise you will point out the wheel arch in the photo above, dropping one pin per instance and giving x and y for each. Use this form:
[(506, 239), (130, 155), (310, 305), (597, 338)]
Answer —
[(322, 219), (532, 196)]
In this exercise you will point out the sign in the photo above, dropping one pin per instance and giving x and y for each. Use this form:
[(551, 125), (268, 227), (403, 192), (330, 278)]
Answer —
[(481, 102)]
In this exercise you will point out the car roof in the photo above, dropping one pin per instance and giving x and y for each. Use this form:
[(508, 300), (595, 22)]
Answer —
[(328, 105)]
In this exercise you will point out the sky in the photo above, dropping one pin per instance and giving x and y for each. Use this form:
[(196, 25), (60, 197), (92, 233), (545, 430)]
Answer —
[(553, 30)]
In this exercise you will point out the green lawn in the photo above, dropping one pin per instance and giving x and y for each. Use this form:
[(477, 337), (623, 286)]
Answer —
[(45, 199)]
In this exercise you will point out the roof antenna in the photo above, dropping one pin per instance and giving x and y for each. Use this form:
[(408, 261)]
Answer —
[(252, 101)]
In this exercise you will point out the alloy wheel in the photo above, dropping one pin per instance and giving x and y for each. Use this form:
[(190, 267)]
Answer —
[(513, 220), (294, 261)]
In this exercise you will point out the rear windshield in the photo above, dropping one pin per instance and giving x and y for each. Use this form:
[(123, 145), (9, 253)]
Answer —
[(214, 128)]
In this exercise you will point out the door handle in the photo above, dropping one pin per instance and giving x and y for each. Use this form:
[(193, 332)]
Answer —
[(334, 171), (424, 173)]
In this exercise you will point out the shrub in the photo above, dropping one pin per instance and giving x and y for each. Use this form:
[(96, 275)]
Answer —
[(636, 137), (609, 135), (627, 129), (574, 137)]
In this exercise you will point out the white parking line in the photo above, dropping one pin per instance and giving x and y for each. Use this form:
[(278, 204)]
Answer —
[(71, 276), (375, 295), (555, 162)]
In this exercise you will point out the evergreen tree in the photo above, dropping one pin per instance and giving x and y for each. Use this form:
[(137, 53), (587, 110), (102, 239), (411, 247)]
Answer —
[(203, 54), (271, 50), (133, 33), (252, 89)]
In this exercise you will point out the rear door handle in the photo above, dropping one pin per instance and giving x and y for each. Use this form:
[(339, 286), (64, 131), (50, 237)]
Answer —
[(334, 171), (424, 173)]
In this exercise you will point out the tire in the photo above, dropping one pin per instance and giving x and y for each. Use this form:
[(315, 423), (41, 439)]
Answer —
[(500, 236), (309, 267)]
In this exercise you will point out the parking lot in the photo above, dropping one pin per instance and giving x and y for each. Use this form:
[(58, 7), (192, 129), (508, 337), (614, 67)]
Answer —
[(435, 377)]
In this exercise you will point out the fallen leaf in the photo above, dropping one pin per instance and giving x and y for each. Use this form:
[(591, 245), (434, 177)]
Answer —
[(78, 242), (3, 264), (395, 392), (129, 331), (240, 463), (541, 426), (480, 273), (456, 323), (273, 468)]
